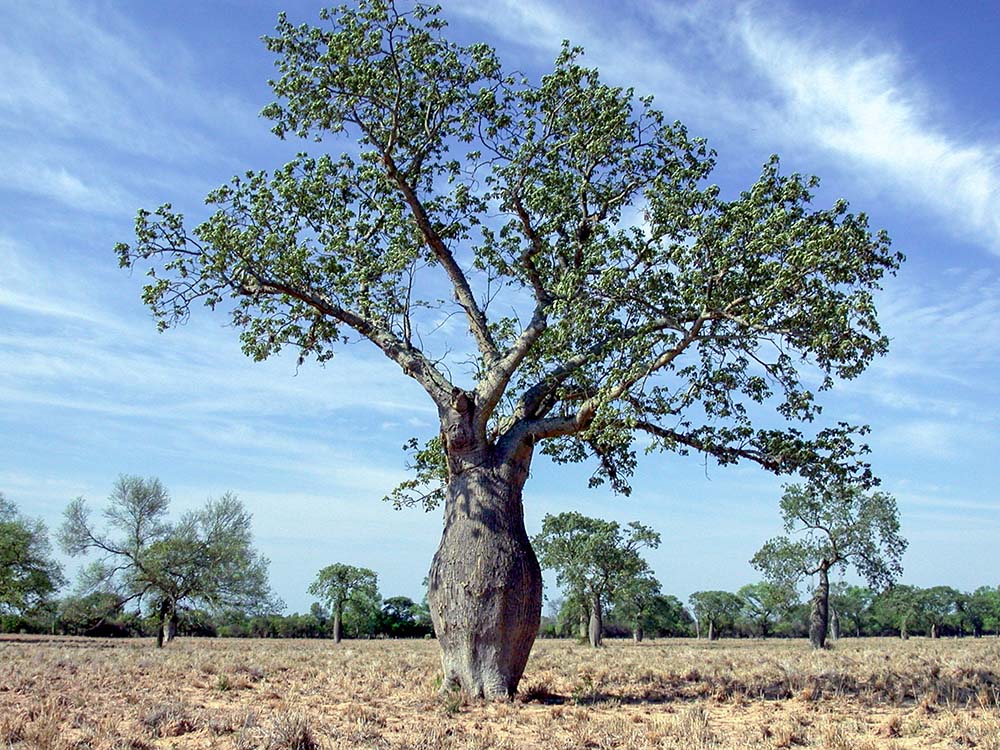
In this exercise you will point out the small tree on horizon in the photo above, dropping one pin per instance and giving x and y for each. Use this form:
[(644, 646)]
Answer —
[(833, 525), (594, 559), (340, 586), (29, 574), (634, 602), (766, 602), (713, 611)]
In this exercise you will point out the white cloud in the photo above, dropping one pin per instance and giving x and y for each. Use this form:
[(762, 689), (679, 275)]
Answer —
[(862, 105), (754, 70)]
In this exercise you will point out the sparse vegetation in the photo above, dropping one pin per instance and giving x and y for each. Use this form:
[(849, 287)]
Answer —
[(68, 693)]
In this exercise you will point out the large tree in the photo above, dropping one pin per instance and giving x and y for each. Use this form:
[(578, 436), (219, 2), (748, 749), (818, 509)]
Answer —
[(594, 559), (833, 525), (28, 572), (342, 586), (205, 559), (607, 288)]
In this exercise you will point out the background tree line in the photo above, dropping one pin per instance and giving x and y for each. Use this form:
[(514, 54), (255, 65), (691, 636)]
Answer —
[(201, 576)]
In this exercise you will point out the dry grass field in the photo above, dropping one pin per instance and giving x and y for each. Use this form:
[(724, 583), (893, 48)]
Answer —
[(71, 693)]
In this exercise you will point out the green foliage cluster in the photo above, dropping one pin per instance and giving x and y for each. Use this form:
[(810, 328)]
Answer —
[(832, 525), (29, 575)]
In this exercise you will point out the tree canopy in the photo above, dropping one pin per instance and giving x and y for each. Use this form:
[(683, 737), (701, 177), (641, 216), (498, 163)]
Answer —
[(343, 586), (28, 573), (833, 526), (205, 559), (594, 559), (643, 300)]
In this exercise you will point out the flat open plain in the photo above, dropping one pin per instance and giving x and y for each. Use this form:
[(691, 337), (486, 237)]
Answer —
[(75, 693)]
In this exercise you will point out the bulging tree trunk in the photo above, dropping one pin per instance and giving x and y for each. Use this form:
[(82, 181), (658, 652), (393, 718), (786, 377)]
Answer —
[(485, 589), (819, 615), (834, 624), (637, 634), (712, 634), (595, 633), (935, 630)]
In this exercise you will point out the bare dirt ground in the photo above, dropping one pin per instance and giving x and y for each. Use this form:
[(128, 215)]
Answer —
[(867, 694)]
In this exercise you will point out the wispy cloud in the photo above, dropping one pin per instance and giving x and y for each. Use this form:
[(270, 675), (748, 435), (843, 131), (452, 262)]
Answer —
[(862, 104), (756, 71)]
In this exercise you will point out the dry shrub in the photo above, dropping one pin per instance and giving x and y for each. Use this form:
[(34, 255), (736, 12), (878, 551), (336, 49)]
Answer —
[(12, 729), (170, 719), (288, 731)]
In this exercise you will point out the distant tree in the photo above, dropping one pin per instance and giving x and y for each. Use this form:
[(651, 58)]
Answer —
[(900, 609), (714, 611), (342, 586), (764, 603), (593, 558), (982, 610), (97, 613), (940, 608), (851, 603), (403, 618), (28, 573), (634, 300), (668, 617), (834, 524), (206, 559), (634, 602)]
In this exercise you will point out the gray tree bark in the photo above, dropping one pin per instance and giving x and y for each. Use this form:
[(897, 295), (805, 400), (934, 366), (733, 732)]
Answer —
[(834, 624), (338, 625), (485, 584), (712, 635), (637, 634), (595, 633), (819, 616)]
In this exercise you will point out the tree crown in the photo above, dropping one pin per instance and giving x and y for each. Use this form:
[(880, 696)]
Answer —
[(607, 287), (835, 525)]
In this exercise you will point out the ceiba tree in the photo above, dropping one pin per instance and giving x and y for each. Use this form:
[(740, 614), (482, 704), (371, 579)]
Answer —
[(607, 288), (833, 525), (338, 585), (206, 558), (594, 559)]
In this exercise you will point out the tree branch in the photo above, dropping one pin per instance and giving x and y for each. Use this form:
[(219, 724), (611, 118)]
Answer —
[(460, 284)]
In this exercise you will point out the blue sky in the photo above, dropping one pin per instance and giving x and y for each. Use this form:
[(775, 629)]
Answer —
[(109, 106)]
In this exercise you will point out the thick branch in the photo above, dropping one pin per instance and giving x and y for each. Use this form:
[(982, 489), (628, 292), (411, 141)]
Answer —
[(410, 359), (756, 456), (460, 284)]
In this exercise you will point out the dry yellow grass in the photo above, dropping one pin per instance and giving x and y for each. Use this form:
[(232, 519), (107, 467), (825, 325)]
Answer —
[(68, 693)]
